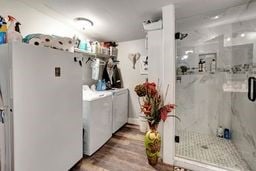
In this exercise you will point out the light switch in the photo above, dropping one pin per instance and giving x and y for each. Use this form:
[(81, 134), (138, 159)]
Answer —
[(57, 72)]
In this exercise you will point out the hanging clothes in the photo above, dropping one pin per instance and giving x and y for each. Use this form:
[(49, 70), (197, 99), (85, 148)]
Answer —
[(111, 75)]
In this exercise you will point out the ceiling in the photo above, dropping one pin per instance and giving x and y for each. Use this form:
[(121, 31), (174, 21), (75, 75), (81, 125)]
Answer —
[(232, 22), (121, 20)]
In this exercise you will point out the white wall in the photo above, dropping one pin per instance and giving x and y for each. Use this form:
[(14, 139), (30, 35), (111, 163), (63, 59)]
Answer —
[(169, 78), (155, 69), (34, 21), (131, 77)]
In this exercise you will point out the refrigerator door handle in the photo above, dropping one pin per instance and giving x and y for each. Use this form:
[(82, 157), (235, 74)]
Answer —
[(2, 116), (252, 89)]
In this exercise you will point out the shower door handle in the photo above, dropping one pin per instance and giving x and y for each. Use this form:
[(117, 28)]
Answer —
[(252, 89), (2, 116)]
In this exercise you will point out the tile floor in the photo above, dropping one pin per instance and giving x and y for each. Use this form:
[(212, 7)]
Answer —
[(210, 150)]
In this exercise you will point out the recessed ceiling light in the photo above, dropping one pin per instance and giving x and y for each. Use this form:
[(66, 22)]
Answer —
[(189, 52), (184, 57), (242, 35), (228, 39), (215, 17), (83, 22)]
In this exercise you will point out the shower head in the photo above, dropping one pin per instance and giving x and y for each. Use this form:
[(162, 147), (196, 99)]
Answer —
[(180, 36)]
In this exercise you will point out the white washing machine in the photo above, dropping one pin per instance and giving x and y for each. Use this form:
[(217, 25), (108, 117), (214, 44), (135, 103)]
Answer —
[(120, 108), (97, 119)]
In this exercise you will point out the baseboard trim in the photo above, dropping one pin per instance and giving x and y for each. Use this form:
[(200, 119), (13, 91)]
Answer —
[(193, 165), (134, 121)]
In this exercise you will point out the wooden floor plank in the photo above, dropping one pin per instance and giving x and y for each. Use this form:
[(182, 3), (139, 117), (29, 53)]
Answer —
[(125, 151)]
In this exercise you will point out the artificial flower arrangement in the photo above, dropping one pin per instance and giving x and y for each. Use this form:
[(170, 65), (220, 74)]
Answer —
[(153, 104), (155, 110)]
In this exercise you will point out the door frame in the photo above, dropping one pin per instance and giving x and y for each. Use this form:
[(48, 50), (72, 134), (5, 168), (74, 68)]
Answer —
[(2, 146)]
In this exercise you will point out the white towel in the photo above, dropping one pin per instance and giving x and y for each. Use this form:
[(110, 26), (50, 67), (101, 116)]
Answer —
[(95, 69)]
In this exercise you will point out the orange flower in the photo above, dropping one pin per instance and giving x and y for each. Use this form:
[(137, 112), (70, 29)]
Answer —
[(146, 109), (165, 110), (152, 105), (151, 88)]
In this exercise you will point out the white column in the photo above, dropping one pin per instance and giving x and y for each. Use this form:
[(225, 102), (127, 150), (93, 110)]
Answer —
[(169, 78), (155, 48)]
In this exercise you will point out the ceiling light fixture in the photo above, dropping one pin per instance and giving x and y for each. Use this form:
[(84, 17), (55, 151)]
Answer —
[(216, 17), (83, 22), (228, 39), (242, 35), (184, 57)]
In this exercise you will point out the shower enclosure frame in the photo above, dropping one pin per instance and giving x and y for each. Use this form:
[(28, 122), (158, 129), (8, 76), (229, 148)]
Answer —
[(169, 77), (198, 165)]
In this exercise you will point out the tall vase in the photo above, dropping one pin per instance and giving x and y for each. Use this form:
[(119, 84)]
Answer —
[(153, 144)]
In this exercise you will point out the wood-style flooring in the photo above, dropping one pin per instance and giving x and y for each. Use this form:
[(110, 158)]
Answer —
[(123, 152)]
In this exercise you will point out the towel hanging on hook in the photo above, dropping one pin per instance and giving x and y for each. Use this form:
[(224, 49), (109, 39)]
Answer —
[(95, 69)]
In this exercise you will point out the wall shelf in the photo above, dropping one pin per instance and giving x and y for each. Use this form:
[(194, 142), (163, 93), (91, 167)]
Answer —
[(89, 54), (197, 73), (235, 90)]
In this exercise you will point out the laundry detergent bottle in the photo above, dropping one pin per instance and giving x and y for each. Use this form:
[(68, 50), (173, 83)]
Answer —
[(3, 30), (99, 85)]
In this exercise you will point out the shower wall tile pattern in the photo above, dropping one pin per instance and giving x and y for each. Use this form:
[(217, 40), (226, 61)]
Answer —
[(202, 104), (244, 127), (210, 150)]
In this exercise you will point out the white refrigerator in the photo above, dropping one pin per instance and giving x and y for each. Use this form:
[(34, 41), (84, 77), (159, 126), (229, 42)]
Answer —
[(41, 96)]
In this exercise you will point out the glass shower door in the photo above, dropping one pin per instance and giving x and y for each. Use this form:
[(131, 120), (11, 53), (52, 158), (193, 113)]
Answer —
[(215, 88)]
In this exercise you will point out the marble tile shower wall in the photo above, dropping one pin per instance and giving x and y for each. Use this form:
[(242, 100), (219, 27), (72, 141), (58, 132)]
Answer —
[(202, 105), (244, 127)]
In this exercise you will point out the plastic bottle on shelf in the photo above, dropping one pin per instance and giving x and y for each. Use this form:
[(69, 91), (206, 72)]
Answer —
[(93, 47), (103, 86), (220, 132), (98, 48), (99, 85), (227, 134), (213, 66), (13, 31), (200, 66), (3, 30), (89, 46), (204, 67)]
